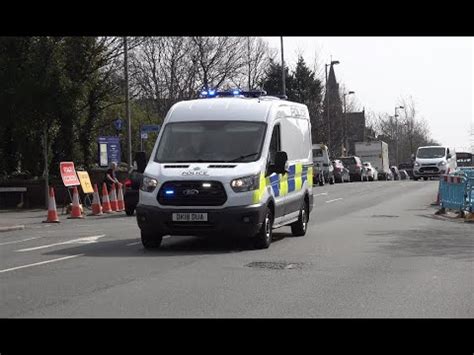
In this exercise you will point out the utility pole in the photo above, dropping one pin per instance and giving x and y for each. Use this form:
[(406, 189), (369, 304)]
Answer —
[(127, 102), (282, 69)]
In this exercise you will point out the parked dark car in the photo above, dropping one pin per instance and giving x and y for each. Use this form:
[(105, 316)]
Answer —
[(404, 175), (408, 167), (356, 169), (132, 184), (385, 175), (395, 172), (341, 173)]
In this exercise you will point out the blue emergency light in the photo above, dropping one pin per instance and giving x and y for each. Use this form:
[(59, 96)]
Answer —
[(169, 192), (231, 93)]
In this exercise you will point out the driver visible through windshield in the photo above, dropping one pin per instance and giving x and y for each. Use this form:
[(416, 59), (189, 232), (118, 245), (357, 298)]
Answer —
[(211, 141)]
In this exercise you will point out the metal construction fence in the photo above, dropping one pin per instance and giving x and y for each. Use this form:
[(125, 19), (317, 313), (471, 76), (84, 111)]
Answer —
[(456, 190)]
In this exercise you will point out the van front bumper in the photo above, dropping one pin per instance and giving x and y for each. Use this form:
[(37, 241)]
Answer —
[(231, 221), (427, 172)]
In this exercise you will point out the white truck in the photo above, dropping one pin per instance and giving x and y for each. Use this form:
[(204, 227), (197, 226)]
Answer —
[(375, 152)]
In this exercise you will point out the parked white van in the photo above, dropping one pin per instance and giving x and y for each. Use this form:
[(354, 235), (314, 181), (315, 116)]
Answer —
[(239, 165), (432, 161)]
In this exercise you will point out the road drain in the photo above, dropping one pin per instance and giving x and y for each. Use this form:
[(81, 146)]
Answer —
[(384, 216), (275, 265)]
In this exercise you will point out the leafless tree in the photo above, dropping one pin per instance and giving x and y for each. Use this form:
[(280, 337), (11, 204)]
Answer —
[(408, 130), (218, 59), (256, 60)]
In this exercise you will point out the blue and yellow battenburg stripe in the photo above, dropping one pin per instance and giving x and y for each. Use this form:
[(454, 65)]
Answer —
[(284, 184)]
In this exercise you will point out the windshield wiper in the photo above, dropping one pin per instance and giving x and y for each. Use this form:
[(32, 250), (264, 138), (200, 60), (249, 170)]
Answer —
[(242, 157)]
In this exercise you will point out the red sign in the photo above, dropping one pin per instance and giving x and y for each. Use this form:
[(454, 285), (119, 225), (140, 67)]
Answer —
[(68, 173)]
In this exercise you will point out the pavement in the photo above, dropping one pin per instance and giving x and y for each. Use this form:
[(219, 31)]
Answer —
[(373, 249)]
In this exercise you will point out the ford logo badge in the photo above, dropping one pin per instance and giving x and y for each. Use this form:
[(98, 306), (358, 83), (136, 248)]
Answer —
[(190, 192)]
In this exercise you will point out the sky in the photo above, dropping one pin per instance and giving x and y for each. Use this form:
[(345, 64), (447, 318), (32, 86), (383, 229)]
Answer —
[(437, 72)]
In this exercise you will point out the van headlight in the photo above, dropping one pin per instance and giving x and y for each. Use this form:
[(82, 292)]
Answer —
[(247, 183), (442, 163), (417, 164), (148, 184)]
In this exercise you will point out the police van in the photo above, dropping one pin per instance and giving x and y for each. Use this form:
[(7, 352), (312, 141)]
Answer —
[(229, 163)]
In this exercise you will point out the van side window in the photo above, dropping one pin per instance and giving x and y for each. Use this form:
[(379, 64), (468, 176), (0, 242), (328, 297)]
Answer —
[(275, 145)]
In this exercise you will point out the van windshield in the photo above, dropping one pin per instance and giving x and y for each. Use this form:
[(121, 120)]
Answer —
[(431, 153), (211, 141)]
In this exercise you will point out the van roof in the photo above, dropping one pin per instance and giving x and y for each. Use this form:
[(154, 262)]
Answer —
[(227, 108)]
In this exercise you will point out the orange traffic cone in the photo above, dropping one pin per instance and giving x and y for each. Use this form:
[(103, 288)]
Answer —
[(106, 208), (52, 212), (120, 200), (96, 207), (113, 198), (76, 208)]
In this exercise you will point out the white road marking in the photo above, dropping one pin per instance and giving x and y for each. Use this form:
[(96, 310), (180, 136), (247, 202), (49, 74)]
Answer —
[(336, 199), (321, 194), (85, 240), (41, 263), (19, 241), (130, 244)]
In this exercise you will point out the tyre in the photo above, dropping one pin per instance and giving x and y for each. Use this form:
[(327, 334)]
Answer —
[(263, 239), (298, 228), (371, 178), (151, 240), (425, 178), (129, 211), (415, 178)]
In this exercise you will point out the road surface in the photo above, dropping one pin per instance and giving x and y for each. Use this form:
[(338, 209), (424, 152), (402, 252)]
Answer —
[(373, 249)]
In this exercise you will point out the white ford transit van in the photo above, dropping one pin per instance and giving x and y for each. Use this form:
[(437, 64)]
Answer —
[(239, 165), (434, 161)]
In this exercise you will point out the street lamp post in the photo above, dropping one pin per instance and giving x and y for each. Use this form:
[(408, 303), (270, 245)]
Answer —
[(345, 120), (396, 127), (333, 62)]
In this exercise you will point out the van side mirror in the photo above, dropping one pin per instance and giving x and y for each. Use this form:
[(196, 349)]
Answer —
[(281, 159), (140, 158)]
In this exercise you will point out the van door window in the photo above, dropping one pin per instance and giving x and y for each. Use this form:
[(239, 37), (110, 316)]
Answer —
[(275, 145)]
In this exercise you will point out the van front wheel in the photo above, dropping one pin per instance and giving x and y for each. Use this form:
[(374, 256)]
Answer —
[(151, 240), (263, 239), (298, 228)]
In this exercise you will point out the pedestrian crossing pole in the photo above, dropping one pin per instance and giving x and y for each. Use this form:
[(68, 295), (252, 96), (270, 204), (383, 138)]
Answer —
[(127, 102), (46, 170)]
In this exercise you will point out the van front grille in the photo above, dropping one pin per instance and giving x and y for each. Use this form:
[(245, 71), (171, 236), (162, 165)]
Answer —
[(192, 193)]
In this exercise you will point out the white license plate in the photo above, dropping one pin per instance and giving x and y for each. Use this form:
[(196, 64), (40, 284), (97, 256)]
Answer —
[(189, 217)]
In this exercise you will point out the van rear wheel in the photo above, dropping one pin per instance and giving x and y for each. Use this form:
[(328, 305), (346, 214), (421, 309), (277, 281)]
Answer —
[(298, 228)]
